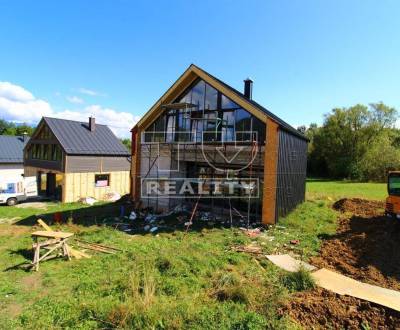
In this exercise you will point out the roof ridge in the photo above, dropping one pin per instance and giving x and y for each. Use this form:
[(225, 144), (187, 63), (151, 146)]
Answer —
[(75, 121), (75, 138), (11, 136)]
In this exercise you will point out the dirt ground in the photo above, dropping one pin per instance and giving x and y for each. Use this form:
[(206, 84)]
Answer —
[(366, 248), (35, 205)]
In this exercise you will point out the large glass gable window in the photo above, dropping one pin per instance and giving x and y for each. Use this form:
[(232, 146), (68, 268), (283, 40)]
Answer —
[(213, 117)]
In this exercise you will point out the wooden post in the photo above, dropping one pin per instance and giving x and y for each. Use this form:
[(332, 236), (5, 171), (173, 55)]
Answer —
[(270, 172), (135, 170)]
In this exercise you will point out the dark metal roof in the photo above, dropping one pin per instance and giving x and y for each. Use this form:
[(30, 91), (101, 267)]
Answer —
[(76, 138), (11, 148), (281, 122)]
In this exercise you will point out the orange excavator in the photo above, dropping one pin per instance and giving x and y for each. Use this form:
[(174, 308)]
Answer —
[(392, 207)]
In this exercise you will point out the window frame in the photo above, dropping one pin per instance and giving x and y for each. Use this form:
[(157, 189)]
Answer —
[(96, 179)]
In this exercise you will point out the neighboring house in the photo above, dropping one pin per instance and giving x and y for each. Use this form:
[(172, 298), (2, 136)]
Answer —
[(11, 156), (203, 129), (73, 160)]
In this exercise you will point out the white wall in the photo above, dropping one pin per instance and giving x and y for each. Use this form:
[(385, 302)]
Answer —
[(11, 171)]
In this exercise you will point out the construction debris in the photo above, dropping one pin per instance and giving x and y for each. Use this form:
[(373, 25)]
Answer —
[(88, 200), (102, 246), (251, 232), (95, 247), (111, 196), (251, 248)]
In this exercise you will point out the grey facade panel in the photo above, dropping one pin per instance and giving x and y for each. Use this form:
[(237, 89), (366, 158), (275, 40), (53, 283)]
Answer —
[(47, 164), (79, 164), (291, 172), (116, 164)]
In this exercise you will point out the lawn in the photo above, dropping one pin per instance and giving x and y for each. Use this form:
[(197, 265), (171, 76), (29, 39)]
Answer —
[(166, 281), (323, 189)]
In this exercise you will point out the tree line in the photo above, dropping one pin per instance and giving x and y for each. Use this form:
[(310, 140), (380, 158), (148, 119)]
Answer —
[(359, 143), (10, 128)]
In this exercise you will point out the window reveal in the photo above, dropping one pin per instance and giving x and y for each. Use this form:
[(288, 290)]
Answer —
[(102, 180)]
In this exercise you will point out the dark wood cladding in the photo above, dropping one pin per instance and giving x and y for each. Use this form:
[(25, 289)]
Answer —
[(77, 164), (291, 176), (48, 164)]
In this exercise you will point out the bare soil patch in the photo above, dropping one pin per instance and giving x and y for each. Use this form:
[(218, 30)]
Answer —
[(11, 230), (32, 281), (366, 245), (34, 205), (323, 309), (366, 248)]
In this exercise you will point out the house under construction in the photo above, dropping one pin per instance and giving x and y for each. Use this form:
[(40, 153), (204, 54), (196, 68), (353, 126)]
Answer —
[(206, 145)]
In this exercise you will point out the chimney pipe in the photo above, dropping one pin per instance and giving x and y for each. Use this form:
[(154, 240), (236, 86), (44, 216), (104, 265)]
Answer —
[(92, 124), (248, 88)]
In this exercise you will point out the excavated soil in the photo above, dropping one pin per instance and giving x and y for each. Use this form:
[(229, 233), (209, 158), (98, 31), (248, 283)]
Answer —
[(366, 247), (322, 309)]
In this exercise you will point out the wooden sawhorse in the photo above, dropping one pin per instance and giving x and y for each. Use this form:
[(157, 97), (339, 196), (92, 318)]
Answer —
[(56, 242)]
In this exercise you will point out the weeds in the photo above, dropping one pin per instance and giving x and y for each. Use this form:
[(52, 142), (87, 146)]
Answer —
[(298, 281)]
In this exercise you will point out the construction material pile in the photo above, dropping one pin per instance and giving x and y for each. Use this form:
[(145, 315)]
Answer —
[(180, 217)]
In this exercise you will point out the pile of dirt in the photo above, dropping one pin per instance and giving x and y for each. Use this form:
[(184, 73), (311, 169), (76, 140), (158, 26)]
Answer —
[(365, 248), (320, 308), (359, 206)]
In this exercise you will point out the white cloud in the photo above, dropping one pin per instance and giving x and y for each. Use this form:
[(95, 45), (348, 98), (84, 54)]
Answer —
[(90, 92), (120, 122), (75, 99), (14, 92), (19, 105)]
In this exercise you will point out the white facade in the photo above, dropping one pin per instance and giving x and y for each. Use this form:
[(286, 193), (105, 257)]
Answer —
[(8, 171)]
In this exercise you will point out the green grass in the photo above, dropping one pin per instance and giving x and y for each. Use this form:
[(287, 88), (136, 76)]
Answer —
[(324, 189), (167, 281)]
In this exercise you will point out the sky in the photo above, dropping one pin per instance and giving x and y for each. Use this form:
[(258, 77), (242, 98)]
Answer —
[(114, 58)]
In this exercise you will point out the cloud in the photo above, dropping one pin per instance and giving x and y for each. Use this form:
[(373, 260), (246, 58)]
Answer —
[(89, 92), (75, 99), (119, 122), (19, 105)]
